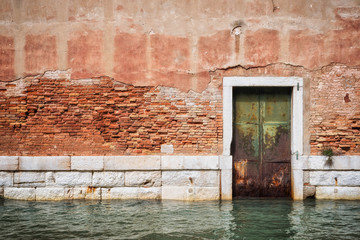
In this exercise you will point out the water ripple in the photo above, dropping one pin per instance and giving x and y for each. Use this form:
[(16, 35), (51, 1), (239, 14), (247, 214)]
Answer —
[(238, 219)]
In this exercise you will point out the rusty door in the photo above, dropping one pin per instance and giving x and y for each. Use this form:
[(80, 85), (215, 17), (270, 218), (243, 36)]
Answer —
[(261, 142)]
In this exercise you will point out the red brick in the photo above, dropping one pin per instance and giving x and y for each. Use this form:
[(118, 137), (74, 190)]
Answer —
[(306, 49), (40, 53), (262, 47), (7, 54), (85, 54), (130, 57), (215, 50), (170, 53)]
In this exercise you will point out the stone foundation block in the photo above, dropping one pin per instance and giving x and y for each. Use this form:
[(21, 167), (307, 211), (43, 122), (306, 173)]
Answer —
[(226, 184), (29, 179), (297, 184), (132, 193), (87, 163), (9, 163), (48, 193), (57, 163), (191, 178), (189, 162), (75, 193), (73, 179), (225, 162), (20, 193), (50, 179), (306, 176), (309, 191), (93, 193), (143, 179), (6, 179), (335, 178), (298, 163), (339, 163), (189, 193), (346, 193), (132, 163), (108, 179)]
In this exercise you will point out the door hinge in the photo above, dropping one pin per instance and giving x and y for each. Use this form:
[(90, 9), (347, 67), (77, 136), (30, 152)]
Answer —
[(298, 86)]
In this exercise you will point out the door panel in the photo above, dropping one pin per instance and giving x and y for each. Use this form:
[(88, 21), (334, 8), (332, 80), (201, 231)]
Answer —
[(261, 142)]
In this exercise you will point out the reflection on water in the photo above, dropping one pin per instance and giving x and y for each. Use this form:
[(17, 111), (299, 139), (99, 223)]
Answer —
[(239, 219)]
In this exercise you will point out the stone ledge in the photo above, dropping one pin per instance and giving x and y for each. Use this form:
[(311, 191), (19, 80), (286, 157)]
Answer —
[(9, 163), (143, 178), (337, 193), (29, 179), (190, 193), (339, 163), (131, 193), (19, 193), (53, 194), (108, 179), (73, 179), (191, 178), (189, 162), (114, 163), (225, 162), (334, 178), (54, 163), (88, 163), (226, 184), (6, 179), (132, 162)]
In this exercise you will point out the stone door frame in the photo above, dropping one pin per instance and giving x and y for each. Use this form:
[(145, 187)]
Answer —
[(296, 84)]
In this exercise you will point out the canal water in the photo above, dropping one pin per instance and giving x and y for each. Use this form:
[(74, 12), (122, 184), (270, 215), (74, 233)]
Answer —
[(238, 219)]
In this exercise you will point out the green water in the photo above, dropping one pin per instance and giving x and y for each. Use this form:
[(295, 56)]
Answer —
[(238, 219)]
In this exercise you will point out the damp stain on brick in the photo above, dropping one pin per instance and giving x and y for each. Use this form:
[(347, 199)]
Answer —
[(347, 98)]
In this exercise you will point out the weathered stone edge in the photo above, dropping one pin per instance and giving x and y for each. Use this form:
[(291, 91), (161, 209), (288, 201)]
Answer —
[(157, 162), (338, 163), (113, 163)]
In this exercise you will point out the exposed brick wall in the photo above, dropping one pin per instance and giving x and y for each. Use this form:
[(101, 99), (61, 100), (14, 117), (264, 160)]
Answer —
[(100, 116), (333, 104), (335, 110)]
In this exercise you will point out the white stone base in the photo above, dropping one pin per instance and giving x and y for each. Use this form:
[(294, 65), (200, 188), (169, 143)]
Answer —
[(116, 177), (189, 178), (337, 193)]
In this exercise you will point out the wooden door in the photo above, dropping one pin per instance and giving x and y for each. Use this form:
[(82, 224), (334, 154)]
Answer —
[(261, 142)]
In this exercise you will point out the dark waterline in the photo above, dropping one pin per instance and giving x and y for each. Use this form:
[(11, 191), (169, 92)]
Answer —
[(238, 219)]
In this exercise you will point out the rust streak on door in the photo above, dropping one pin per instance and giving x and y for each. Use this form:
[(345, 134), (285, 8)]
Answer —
[(261, 145)]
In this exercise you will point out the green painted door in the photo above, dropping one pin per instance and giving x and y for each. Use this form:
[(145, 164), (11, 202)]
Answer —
[(261, 142)]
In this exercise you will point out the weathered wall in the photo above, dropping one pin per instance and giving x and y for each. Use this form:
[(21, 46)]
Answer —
[(171, 44), (100, 116), (121, 77)]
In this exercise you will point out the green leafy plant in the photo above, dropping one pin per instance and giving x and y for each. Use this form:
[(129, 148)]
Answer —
[(328, 152)]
